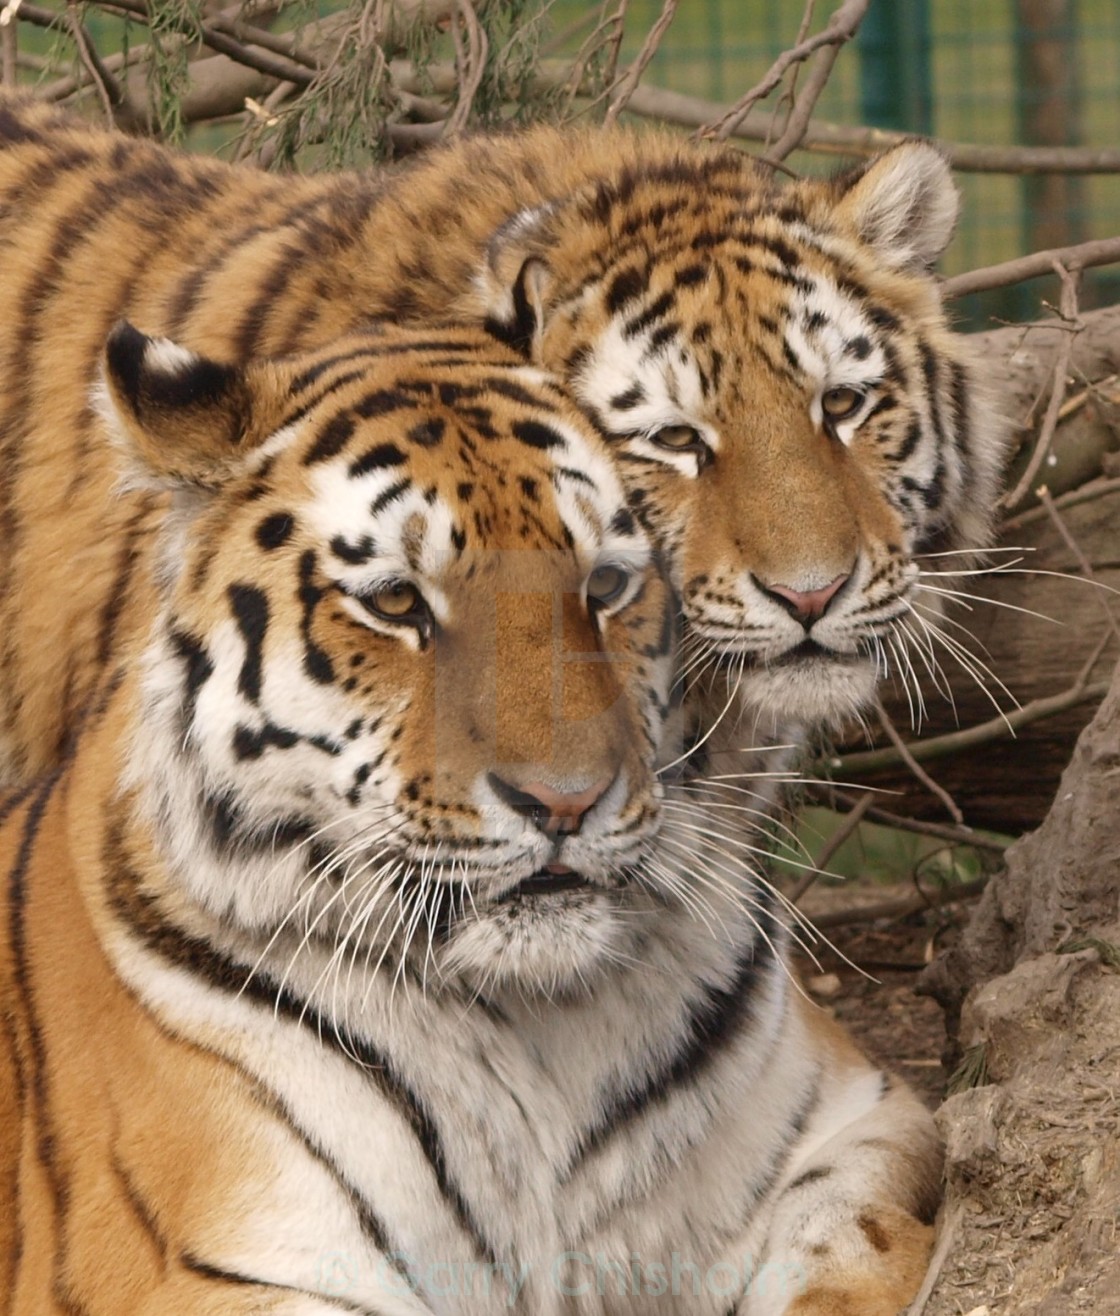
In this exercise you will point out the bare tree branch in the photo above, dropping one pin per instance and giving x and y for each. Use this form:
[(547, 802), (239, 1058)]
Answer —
[(1068, 311), (633, 74), (471, 47), (996, 728), (798, 124), (891, 732), (834, 842), (1086, 255), (108, 89), (839, 139), (962, 835), (841, 27), (9, 44), (1082, 561), (901, 907), (1087, 493)]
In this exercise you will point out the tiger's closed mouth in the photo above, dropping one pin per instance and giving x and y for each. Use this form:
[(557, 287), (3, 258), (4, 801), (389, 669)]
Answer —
[(810, 651), (547, 881)]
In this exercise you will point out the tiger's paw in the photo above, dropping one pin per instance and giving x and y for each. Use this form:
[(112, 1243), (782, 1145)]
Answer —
[(856, 1299)]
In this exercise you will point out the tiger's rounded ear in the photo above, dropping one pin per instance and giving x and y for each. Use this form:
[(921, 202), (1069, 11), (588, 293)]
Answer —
[(515, 282), (183, 418), (903, 203)]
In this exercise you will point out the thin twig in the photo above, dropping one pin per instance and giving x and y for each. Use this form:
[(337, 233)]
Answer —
[(471, 47), (996, 728), (630, 79), (902, 906), (1095, 657), (963, 835), (264, 61), (1079, 553), (788, 98), (108, 89), (891, 732), (1086, 493), (1083, 256), (834, 842), (798, 124), (1057, 392), (277, 43), (614, 27), (614, 44), (946, 1237), (9, 44), (841, 27)]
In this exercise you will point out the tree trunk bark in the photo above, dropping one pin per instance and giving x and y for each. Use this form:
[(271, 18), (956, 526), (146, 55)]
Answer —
[(1033, 998)]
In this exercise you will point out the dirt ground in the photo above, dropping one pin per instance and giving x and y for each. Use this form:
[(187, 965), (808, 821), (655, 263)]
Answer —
[(1031, 1224), (866, 979)]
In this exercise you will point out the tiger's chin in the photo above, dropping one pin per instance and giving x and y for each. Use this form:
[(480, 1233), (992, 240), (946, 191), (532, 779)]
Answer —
[(821, 690), (553, 945)]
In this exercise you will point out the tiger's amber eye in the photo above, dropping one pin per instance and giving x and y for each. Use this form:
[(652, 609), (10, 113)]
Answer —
[(606, 583), (841, 403), (395, 601), (678, 438)]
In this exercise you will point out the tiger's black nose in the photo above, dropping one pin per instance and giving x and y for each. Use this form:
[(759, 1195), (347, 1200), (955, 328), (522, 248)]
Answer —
[(554, 812)]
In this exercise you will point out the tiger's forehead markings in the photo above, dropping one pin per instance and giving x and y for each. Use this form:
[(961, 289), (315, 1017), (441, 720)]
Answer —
[(833, 338), (375, 485)]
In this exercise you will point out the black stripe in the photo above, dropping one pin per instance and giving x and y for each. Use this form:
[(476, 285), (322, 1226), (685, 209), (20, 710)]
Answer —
[(331, 439), (315, 372), (130, 553), (962, 420), (139, 911), (378, 458), (45, 1145), (271, 289), (509, 388), (389, 495), (140, 1208), (911, 441), (810, 1099), (656, 310), (204, 1270), (189, 292), (713, 1024), (250, 610), (626, 286), (316, 661)]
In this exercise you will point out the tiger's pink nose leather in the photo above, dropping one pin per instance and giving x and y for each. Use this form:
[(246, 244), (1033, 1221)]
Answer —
[(810, 604), (564, 811)]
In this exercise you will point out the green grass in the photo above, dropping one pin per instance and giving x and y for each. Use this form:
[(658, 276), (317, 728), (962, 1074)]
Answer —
[(874, 853)]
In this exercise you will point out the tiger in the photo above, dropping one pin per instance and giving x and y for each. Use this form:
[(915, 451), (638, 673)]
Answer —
[(356, 956), (796, 424)]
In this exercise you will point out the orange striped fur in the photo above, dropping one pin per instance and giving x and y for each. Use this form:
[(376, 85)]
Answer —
[(675, 289)]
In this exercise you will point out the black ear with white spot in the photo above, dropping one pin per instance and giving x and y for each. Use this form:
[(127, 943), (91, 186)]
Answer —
[(516, 280), (904, 204), (183, 417)]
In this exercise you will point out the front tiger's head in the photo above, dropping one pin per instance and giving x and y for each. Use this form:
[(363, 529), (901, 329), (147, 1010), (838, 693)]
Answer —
[(414, 657), (791, 416)]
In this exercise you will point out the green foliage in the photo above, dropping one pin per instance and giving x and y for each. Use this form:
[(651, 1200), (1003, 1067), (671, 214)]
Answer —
[(343, 113), (1108, 951), (972, 1072), (514, 32), (173, 26), (877, 853)]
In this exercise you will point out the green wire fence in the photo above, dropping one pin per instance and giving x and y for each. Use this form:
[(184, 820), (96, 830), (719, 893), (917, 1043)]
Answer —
[(999, 73)]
